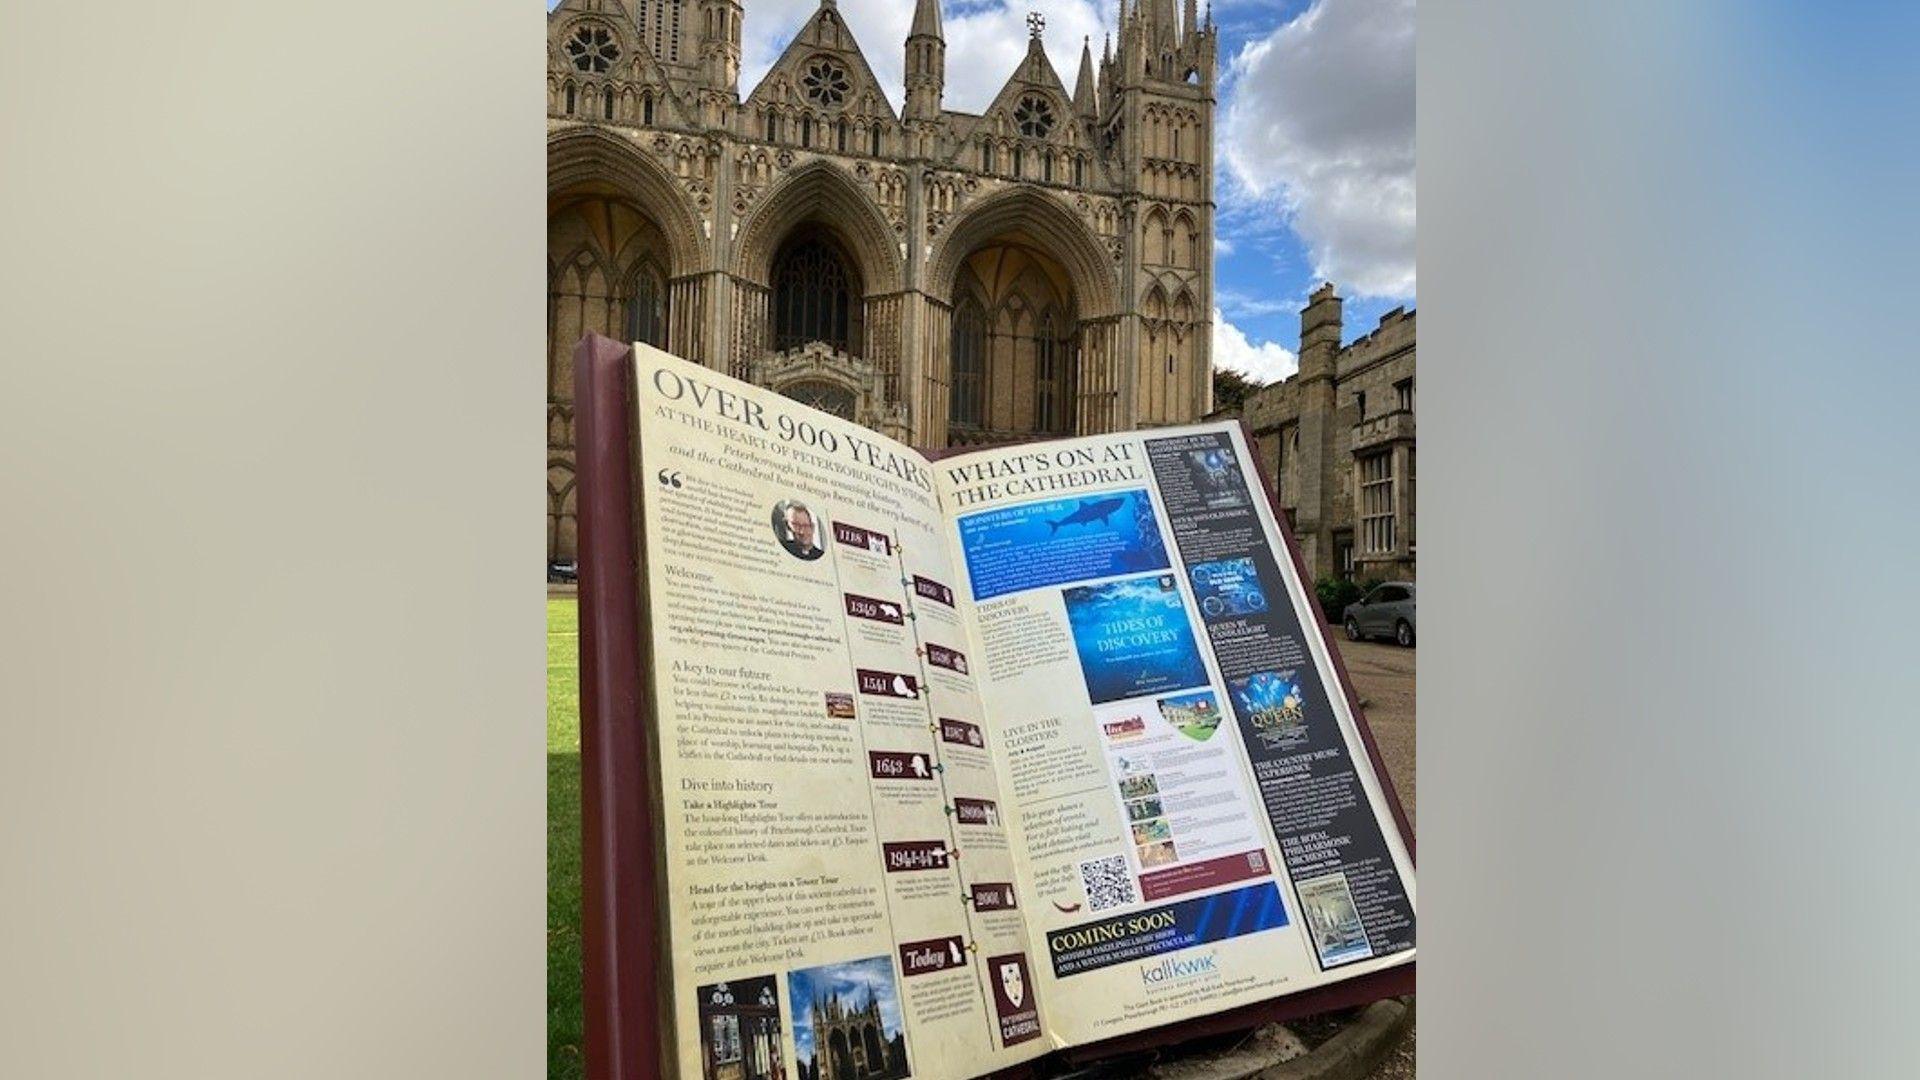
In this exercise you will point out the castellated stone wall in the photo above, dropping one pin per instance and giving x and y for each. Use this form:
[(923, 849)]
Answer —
[(1337, 440)]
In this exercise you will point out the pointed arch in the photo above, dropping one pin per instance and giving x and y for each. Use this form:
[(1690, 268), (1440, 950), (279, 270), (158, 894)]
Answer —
[(1184, 308), (1155, 245), (644, 297), (1032, 212), (967, 404), (823, 194), (1154, 305), (589, 158), (562, 509), (1185, 251)]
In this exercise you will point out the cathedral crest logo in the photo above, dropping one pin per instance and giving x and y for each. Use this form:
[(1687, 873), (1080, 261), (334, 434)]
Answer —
[(1013, 999), (1013, 983)]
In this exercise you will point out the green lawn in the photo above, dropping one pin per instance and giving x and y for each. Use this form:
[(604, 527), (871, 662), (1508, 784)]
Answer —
[(563, 841)]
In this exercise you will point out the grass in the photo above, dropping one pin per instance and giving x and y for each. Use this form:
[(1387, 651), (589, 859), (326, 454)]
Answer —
[(564, 1032)]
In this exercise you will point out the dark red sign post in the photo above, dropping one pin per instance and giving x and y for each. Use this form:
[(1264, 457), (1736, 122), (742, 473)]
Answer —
[(620, 898)]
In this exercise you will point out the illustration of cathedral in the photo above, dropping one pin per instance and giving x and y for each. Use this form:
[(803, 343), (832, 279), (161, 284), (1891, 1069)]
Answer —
[(851, 1043), (1044, 267)]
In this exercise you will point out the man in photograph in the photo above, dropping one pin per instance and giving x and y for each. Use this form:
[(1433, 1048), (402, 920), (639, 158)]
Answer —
[(794, 527)]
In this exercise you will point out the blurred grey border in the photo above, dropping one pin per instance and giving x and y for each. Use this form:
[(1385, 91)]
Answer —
[(271, 785), (1667, 682), (271, 796)]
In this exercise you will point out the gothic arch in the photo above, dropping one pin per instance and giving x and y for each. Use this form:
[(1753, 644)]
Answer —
[(562, 509), (1185, 245), (1154, 304), (1156, 243), (821, 194), (1058, 230), (591, 157), (1184, 308)]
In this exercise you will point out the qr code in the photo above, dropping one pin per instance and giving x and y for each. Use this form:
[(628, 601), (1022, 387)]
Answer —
[(1109, 884)]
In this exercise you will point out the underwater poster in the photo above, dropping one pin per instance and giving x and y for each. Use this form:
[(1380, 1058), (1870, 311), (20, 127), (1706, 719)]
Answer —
[(1134, 638), (1228, 587), (1055, 541)]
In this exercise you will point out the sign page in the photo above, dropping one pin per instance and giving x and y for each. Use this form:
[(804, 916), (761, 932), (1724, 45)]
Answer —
[(1196, 820), (838, 882)]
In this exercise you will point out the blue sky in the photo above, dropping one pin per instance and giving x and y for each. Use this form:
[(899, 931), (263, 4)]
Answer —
[(1313, 139), (853, 981)]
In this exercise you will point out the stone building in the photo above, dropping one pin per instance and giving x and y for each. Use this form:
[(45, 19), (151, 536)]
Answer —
[(851, 1042), (1042, 267), (1337, 441)]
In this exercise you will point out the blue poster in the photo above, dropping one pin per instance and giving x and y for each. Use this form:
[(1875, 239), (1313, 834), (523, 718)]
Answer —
[(1054, 541), (1123, 939), (1227, 588), (1133, 638)]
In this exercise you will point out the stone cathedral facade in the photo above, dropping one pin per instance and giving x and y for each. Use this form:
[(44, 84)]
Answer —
[(1043, 267)]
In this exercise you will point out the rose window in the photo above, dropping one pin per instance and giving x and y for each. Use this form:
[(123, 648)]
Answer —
[(591, 48), (826, 83), (1034, 117)]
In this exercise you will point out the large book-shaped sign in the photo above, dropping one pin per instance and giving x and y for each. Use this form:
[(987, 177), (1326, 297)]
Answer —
[(911, 765)]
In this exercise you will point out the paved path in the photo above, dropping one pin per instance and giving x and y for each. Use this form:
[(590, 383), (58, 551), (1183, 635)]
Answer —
[(1383, 677)]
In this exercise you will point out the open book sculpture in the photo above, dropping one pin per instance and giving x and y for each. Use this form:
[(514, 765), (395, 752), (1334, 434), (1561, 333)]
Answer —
[(903, 766)]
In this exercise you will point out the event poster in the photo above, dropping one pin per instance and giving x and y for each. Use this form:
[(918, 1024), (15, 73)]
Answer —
[(1238, 853), (1133, 637), (1034, 544)]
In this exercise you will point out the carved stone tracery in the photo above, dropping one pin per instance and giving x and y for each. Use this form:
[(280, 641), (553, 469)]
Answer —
[(650, 118)]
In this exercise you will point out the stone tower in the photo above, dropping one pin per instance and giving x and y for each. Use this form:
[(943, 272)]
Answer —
[(850, 1041), (1043, 266)]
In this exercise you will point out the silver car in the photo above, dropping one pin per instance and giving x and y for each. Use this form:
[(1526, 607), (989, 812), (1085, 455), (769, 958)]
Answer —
[(1386, 611)]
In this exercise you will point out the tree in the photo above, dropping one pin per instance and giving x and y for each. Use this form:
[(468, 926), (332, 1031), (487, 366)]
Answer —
[(1231, 390)]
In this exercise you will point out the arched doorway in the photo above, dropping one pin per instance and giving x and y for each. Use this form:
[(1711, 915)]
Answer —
[(839, 1055), (816, 260), (607, 273), (1011, 344), (1024, 321)]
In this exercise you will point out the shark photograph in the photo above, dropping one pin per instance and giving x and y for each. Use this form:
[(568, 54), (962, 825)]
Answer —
[(1091, 510)]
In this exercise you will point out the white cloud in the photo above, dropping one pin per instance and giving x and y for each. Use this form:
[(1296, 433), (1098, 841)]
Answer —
[(1243, 305), (1320, 123), (984, 44), (1264, 363)]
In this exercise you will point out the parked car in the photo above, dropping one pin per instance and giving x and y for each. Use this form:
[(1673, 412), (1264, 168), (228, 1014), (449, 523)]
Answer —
[(563, 572), (1386, 611)]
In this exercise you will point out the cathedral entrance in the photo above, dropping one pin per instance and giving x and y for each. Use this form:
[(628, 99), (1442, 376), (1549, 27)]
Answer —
[(607, 273), (839, 1058), (1024, 318), (1012, 345)]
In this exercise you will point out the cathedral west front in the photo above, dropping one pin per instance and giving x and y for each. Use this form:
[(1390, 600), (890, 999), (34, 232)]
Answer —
[(1041, 268)]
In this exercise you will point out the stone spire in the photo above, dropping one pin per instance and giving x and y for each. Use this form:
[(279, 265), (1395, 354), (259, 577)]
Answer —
[(1085, 103), (926, 19), (720, 47), (926, 63), (1164, 32)]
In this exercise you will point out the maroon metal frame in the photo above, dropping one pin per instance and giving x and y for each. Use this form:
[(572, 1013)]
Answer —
[(621, 908), (624, 960)]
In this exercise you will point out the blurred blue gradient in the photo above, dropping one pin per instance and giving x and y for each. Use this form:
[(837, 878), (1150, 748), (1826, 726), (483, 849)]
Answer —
[(1668, 692)]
